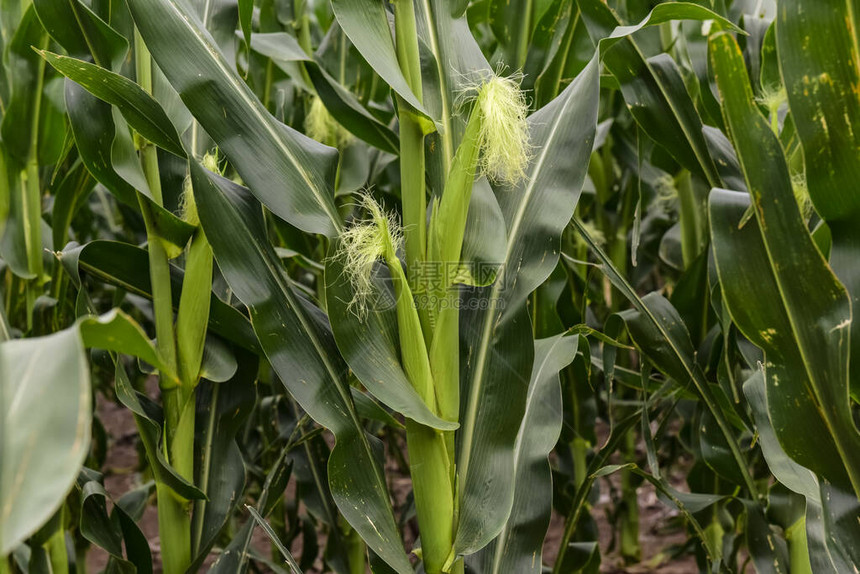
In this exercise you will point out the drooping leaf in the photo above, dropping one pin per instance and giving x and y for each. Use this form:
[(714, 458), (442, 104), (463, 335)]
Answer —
[(810, 311), (298, 343), (45, 411), (818, 56), (290, 173), (751, 295), (127, 266), (111, 531), (116, 331), (141, 111), (107, 150)]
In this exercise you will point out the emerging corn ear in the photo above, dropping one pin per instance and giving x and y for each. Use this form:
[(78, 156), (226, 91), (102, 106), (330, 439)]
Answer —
[(361, 246), (496, 140), (187, 204)]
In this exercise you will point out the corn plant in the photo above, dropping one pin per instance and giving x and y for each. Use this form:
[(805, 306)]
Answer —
[(509, 254)]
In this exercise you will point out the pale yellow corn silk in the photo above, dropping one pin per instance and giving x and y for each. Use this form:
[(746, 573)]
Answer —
[(321, 125), (772, 99), (187, 204), (364, 243), (210, 162), (665, 187), (504, 134), (801, 195)]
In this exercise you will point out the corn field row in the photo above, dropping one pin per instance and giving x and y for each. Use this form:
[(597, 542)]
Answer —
[(439, 286)]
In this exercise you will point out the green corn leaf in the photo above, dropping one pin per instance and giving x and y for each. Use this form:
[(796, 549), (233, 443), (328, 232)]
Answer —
[(497, 337), (287, 555), (116, 331), (141, 111), (659, 332), (751, 295), (366, 24), (653, 87), (82, 33), (218, 363), (290, 173), (13, 244), (70, 196), (825, 550), (458, 66), (106, 149), (796, 477), (246, 13), (45, 415), (25, 70), (112, 531), (150, 426), (342, 104), (518, 548), (818, 55), (298, 343), (222, 411), (127, 266), (596, 467), (234, 557), (811, 311)]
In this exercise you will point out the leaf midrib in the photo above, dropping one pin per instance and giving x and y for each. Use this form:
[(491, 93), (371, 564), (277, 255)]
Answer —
[(503, 535), (124, 83), (252, 105), (490, 317)]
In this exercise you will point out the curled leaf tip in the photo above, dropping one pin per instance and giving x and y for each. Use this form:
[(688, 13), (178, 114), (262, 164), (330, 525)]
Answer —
[(363, 244), (504, 135)]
